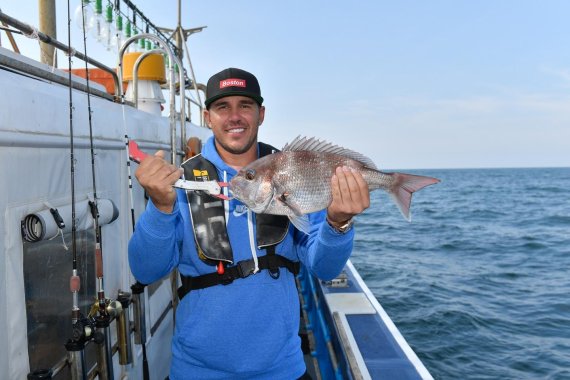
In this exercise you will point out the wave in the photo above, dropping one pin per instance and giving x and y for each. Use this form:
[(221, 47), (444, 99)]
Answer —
[(478, 282)]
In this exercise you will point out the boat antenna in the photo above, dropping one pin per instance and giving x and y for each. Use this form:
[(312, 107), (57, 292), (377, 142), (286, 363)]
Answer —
[(103, 318)]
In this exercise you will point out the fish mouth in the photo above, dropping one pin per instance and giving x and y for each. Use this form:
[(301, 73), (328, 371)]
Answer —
[(234, 190)]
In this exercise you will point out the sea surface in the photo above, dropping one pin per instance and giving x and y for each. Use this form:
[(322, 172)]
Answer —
[(479, 282)]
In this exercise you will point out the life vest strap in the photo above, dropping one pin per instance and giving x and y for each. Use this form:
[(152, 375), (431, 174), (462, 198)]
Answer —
[(241, 270)]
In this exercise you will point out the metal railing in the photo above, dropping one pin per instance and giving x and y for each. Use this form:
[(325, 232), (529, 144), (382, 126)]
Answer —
[(34, 33)]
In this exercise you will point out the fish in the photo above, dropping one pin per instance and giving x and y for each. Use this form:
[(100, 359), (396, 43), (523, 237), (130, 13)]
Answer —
[(296, 181)]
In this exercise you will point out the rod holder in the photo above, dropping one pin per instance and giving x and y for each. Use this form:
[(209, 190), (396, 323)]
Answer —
[(41, 374), (124, 329), (104, 347), (139, 313), (102, 365), (76, 359), (82, 332)]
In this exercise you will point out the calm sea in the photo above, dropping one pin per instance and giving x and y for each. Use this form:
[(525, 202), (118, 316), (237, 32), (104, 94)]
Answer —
[(479, 282)]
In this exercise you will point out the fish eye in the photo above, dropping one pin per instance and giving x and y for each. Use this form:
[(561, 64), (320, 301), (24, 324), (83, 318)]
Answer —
[(250, 174)]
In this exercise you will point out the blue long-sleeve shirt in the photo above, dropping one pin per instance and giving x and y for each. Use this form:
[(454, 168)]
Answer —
[(249, 328)]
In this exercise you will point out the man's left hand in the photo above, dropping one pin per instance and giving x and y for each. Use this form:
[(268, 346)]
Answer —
[(350, 195)]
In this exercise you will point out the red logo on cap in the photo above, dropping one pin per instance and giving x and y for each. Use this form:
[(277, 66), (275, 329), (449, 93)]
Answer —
[(232, 83)]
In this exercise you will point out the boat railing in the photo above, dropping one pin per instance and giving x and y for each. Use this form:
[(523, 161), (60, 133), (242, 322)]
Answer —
[(323, 351), (343, 329), (34, 33), (165, 48), (172, 60), (198, 104)]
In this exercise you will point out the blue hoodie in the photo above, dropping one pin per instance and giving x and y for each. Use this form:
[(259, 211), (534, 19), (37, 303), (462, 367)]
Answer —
[(249, 328)]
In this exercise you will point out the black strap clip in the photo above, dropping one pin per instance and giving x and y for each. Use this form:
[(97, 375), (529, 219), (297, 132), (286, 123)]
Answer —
[(273, 266), (242, 270), (245, 268), (273, 263)]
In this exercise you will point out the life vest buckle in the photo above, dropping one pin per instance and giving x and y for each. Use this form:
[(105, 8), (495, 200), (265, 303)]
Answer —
[(245, 268)]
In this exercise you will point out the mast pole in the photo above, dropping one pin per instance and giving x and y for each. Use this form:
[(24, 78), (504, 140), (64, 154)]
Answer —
[(179, 33), (47, 26)]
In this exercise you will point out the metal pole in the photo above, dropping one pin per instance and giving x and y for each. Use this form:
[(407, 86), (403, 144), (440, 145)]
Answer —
[(48, 27), (10, 38), (179, 34)]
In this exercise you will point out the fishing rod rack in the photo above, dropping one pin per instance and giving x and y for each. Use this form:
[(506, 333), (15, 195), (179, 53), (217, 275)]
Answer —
[(92, 330)]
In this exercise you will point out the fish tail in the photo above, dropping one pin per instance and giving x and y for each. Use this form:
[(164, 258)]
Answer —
[(403, 186)]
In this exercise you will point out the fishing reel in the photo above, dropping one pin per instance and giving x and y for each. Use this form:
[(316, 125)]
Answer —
[(103, 312), (83, 331)]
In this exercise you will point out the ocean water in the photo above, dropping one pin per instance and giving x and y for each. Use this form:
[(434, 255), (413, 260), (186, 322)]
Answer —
[(479, 282)]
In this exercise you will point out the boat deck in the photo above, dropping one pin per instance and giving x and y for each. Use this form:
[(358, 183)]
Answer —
[(365, 341)]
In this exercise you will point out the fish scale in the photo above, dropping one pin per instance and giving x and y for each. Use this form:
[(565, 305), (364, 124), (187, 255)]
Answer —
[(306, 184)]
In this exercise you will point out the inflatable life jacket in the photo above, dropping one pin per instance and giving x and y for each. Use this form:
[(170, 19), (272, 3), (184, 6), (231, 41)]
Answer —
[(211, 237)]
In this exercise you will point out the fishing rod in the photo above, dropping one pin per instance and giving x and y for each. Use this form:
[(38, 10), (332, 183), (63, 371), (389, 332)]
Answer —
[(103, 317), (106, 309), (82, 328)]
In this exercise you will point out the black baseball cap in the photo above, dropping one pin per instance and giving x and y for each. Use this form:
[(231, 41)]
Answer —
[(232, 81)]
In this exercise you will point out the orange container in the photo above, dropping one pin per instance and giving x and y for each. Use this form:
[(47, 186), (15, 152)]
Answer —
[(100, 76)]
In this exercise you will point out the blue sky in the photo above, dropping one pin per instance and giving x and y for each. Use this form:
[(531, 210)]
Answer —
[(411, 84)]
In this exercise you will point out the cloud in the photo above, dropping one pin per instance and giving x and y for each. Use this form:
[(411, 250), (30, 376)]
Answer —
[(505, 128), (562, 74)]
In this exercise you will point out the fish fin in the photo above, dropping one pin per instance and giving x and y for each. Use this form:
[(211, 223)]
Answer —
[(299, 220), (286, 201), (404, 186), (315, 145), (302, 223)]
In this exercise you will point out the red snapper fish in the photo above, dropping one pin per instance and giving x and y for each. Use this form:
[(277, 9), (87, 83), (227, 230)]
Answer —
[(297, 180)]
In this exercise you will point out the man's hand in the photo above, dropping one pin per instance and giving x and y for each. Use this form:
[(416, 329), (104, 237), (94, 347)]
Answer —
[(157, 176), (350, 196)]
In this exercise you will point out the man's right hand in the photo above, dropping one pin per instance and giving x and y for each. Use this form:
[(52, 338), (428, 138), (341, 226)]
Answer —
[(157, 176)]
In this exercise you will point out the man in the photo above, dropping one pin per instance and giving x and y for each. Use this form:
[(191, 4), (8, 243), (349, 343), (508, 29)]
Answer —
[(238, 317)]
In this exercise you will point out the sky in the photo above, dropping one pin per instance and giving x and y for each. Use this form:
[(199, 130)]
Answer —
[(410, 84)]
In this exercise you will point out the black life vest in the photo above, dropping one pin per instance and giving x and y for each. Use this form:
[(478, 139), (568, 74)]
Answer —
[(211, 236)]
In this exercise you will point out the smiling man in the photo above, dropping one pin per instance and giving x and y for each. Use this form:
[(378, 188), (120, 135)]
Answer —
[(234, 112), (238, 316)]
